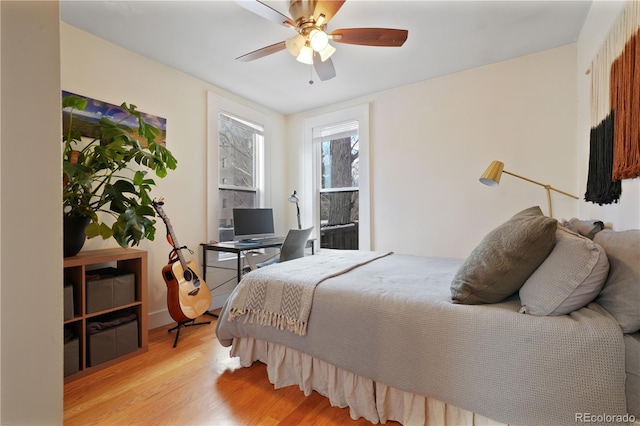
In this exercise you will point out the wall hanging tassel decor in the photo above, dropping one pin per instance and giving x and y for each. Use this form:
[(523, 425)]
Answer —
[(600, 188), (615, 109), (625, 101)]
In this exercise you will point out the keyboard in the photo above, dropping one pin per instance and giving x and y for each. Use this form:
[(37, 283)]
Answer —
[(273, 240)]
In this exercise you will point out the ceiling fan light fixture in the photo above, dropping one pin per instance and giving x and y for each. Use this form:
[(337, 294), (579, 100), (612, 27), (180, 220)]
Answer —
[(294, 44), (311, 45), (306, 54), (327, 52), (319, 40)]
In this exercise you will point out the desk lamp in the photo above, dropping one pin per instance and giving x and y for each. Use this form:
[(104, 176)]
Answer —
[(492, 175), (293, 198)]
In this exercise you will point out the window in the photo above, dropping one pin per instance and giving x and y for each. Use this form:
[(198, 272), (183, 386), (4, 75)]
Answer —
[(336, 156), (239, 151), (239, 145), (338, 192)]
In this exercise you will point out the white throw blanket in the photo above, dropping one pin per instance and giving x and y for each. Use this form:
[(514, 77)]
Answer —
[(287, 302)]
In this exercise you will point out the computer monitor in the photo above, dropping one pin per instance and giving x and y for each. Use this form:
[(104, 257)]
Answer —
[(251, 224)]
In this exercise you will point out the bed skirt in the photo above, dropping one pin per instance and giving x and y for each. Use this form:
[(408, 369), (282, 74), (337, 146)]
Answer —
[(376, 402)]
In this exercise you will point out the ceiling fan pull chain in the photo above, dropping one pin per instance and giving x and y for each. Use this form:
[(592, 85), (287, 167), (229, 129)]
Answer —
[(311, 74)]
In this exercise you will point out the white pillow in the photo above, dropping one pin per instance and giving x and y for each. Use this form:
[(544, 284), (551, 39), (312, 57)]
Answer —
[(570, 277)]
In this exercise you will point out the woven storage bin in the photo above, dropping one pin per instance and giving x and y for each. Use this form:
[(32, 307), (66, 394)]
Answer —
[(71, 357), (114, 288), (113, 342)]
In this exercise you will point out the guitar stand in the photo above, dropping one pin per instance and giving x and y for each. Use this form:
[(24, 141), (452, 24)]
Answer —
[(185, 324)]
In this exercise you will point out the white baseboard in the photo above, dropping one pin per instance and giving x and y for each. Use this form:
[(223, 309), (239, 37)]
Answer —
[(162, 317), (221, 280), (219, 299), (159, 319)]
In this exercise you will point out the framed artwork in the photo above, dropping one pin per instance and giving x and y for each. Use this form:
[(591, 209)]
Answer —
[(86, 122)]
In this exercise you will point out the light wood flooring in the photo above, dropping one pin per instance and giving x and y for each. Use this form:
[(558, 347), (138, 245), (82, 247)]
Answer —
[(196, 383)]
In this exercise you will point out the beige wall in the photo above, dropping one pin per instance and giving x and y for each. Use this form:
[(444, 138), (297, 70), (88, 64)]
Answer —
[(104, 71), (30, 215), (431, 141)]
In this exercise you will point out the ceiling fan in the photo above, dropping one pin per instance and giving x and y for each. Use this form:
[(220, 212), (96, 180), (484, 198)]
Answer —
[(311, 44)]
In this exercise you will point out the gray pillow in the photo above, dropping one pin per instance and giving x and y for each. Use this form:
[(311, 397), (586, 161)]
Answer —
[(570, 277), (621, 293), (586, 228), (505, 258)]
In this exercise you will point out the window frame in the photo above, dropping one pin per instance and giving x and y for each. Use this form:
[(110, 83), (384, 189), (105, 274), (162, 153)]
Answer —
[(258, 160), (313, 158), (215, 105)]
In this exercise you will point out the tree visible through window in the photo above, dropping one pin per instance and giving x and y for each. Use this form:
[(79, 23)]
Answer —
[(339, 192), (238, 176)]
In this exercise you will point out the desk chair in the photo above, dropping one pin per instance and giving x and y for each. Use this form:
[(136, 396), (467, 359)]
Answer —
[(292, 248)]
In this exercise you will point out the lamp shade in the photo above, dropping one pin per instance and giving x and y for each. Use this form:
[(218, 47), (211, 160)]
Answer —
[(294, 44), (327, 52), (318, 40), (306, 54), (492, 175)]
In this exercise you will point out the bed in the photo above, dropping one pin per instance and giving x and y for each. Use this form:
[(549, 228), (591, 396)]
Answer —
[(424, 340)]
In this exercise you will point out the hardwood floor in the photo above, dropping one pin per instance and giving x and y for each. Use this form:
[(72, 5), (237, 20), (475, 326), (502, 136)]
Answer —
[(196, 383)]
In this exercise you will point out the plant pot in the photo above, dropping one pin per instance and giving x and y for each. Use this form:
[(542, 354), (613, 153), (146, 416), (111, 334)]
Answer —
[(73, 234)]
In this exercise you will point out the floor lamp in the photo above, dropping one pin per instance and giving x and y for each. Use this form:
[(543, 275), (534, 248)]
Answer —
[(492, 175), (293, 198)]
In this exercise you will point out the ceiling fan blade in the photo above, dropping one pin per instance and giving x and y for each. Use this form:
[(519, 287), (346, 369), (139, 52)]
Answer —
[(266, 12), (328, 8), (371, 36), (325, 70), (268, 50)]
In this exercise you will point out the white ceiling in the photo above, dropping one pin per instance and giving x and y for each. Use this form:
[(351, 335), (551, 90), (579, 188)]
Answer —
[(203, 38)]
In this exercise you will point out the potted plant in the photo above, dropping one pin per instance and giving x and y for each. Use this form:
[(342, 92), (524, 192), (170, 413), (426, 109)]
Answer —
[(98, 177)]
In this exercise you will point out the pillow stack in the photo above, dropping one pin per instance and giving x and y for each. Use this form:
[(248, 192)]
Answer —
[(570, 277), (555, 269), (505, 258)]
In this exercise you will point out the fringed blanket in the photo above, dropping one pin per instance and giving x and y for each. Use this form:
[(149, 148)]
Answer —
[(286, 303)]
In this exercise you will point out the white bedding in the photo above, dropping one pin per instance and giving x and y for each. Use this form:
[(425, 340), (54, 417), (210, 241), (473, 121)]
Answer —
[(392, 321), (374, 401)]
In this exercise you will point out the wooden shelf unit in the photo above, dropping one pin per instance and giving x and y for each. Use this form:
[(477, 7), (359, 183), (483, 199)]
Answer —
[(75, 269)]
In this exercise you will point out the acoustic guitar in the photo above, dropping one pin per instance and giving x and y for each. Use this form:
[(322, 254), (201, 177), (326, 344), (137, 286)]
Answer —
[(188, 296)]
